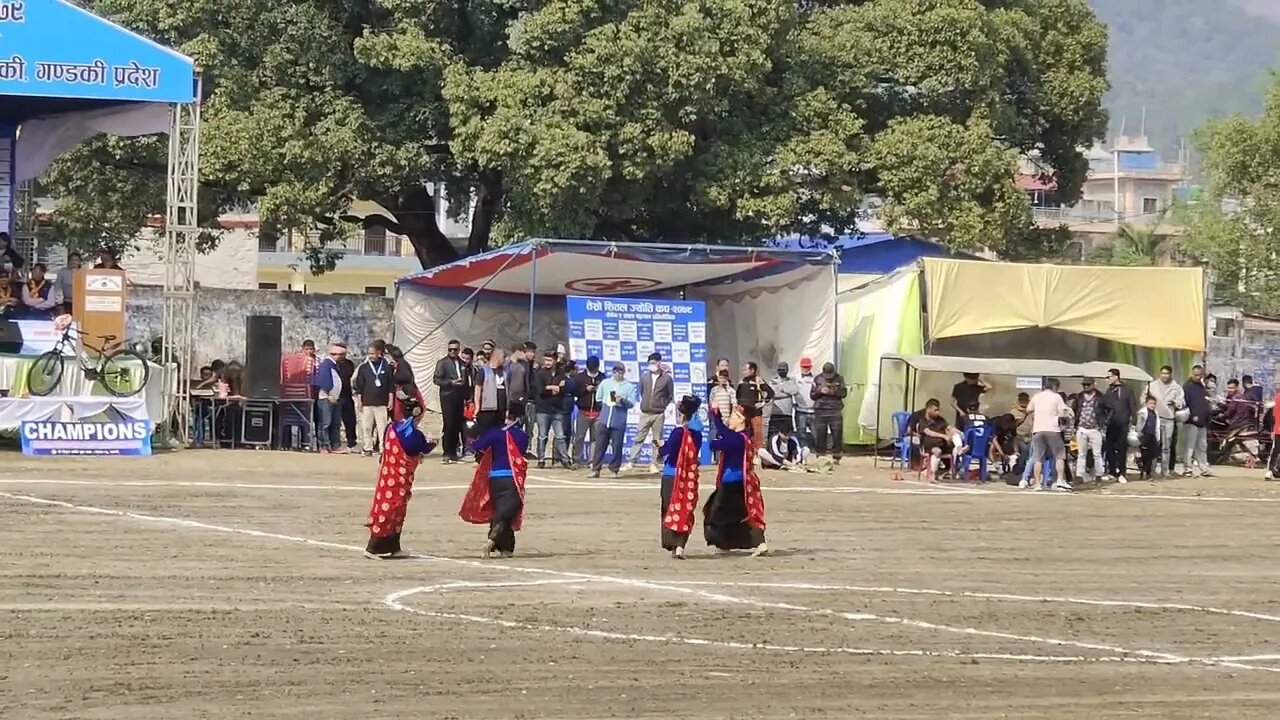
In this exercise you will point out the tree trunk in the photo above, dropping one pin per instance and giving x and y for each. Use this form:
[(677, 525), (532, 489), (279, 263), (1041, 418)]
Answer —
[(488, 197), (416, 211)]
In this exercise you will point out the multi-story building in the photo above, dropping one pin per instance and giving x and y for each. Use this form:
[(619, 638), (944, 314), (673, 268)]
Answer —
[(1128, 183)]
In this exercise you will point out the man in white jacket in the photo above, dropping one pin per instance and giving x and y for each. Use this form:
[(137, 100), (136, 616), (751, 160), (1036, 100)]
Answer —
[(1169, 400)]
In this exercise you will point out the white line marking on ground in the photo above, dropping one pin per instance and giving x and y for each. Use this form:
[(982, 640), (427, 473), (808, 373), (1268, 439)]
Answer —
[(1134, 654)]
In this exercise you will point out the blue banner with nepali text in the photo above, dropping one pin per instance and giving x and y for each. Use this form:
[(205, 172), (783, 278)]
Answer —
[(628, 330)]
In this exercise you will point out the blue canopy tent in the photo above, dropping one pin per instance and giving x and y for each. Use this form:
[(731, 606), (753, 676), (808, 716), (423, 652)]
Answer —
[(67, 75), (867, 256)]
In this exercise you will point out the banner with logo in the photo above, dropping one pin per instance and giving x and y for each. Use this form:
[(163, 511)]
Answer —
[(44, 437), (628, 330)]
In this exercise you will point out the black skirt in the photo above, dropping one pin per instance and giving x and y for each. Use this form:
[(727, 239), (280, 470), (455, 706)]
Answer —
[(670, 538), (725, 520), (506, 508)]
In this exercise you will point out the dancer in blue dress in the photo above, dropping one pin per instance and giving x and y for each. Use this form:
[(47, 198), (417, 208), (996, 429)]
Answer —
[(734, 514)]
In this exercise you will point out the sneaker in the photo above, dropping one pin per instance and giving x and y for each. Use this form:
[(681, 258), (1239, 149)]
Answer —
[(1062, 487), (1187, 473), (506, 554), (1268, 476), (1122, 480), (654, 469), (595, 474), (1206, 474), (367, 453), (489, 545), (1023, 484), (341, 451), (326, 451), (627, 467), (542, 464), (678, 553), (760, 550)]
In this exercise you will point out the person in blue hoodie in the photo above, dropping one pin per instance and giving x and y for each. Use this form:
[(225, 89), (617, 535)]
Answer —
[(496, 495), (615, 397), (328, 386)]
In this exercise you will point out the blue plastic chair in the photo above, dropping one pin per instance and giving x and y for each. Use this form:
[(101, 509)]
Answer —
[(901, 443), (978, 439)]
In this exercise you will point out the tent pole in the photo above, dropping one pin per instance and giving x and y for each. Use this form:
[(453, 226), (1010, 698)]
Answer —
[(875, 445), (461, 305), (533, 288), (835, 312)]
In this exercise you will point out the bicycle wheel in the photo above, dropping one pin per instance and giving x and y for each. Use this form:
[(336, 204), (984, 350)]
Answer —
[(123, 373), (45, 373)]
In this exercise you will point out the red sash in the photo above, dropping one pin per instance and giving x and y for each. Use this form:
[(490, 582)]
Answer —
[(750, 485), (678, 516), (476, 506), (394, 488)]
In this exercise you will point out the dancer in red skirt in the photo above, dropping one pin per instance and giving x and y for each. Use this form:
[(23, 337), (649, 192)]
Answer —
[(734, 514), (680, 455), (496, 495), (403, 446)]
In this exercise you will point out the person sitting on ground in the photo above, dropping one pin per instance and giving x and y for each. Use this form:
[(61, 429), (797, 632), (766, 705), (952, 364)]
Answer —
[(784, 451), (935, 438)]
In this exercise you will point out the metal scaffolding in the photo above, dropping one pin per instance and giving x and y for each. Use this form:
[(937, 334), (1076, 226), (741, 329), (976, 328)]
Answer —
[(181, 231)]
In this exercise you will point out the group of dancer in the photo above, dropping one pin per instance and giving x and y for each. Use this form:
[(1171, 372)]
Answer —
[(733, 516)]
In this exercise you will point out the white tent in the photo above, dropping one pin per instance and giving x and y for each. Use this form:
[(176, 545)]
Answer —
[(763, 304)]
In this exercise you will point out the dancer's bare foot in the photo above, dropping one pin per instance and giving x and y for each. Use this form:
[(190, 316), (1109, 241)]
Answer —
[(488, 549), (678, 553), (760, 550)]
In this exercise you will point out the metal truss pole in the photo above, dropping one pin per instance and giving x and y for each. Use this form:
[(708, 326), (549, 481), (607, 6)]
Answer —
[(24, 226), (180, 229)]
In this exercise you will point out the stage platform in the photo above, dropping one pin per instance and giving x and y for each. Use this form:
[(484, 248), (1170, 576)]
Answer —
[(75, 399)]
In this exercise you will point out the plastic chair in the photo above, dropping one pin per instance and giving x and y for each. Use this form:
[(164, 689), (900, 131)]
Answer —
[(901, 443), (978, 440)]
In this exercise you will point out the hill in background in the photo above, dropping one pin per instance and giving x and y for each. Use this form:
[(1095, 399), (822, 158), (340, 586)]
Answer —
[(1187, 61)]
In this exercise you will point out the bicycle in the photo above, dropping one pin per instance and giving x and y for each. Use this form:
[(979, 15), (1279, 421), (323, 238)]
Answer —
[(115, 370)]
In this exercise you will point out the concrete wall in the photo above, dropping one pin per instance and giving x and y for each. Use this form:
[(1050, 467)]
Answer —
[(220, 319), (233, 264)]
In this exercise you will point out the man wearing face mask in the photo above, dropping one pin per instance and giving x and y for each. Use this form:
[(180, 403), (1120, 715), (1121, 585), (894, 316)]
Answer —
[(785, 390), (657, 391), (829, 392)]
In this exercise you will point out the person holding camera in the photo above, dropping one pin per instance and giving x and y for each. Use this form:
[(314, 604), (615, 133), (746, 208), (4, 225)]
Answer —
[(616, 396)]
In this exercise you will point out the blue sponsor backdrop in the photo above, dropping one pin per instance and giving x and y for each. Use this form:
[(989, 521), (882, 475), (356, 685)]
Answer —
[(627, 330), (129, 437), (51, 48)]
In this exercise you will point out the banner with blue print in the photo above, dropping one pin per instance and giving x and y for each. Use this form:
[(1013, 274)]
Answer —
[(128, 437), (54, 49), (628, 330)]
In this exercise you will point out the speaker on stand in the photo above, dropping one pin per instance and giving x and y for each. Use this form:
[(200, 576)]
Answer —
[(262, 355)]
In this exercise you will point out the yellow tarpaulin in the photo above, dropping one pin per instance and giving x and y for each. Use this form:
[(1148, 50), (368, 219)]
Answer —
[(1149, 306)]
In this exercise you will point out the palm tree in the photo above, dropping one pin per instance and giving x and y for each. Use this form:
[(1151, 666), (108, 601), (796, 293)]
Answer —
[(1135, 246)]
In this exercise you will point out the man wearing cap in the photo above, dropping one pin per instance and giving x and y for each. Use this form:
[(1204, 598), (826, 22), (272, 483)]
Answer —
[(615, 397), (804, 403), (1088, 409)]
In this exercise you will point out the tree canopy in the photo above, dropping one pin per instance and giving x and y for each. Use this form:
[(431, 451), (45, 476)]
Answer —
[(666, 120), (1235, 226)]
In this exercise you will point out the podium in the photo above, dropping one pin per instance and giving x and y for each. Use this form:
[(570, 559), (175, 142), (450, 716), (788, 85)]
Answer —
[(98, 304)]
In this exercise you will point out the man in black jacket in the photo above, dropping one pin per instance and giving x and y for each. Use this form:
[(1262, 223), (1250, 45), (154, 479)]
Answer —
[(371, 388), (346, 400), (549, 388), (828, 393), (451, 378), (1195, 433), (584, 391), (1122, 413)]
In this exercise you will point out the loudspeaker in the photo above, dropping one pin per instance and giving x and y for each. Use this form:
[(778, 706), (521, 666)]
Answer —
[(10, 337), (262, 356), (257, 427)]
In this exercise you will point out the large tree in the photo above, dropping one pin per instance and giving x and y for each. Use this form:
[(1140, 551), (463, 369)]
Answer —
[(1235, 224), (670, 120)]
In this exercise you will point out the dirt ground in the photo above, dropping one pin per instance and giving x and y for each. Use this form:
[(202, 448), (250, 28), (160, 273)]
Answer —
[(228, 584)]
